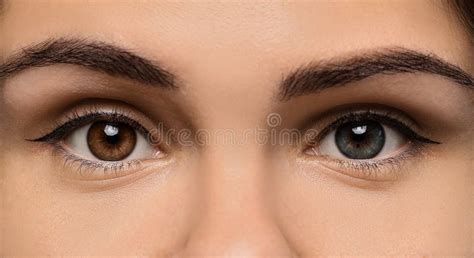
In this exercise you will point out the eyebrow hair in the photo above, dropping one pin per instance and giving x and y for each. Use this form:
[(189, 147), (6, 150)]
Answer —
[(97, 56), (316, 77)]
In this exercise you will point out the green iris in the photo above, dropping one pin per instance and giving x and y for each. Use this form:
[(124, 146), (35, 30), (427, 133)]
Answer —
[(361, 139)]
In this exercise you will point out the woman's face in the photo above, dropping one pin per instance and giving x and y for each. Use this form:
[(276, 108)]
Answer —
[(244, 129)]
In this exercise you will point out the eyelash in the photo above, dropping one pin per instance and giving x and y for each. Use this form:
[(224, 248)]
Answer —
[(75, 121), (88, 166), (371, 169), (388, 118), (365, 169)]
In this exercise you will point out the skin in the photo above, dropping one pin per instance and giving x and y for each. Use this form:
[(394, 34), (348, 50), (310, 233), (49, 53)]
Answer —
[(229, 199)]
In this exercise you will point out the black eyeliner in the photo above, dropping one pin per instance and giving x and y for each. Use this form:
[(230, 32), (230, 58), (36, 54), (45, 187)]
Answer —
[(78, 121), (385, 119)]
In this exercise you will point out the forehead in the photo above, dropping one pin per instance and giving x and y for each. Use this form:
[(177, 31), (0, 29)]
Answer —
[(319, 26)]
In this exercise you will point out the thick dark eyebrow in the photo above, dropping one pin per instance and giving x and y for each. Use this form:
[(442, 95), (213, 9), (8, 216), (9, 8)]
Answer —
[(316, 77), (98, 56)]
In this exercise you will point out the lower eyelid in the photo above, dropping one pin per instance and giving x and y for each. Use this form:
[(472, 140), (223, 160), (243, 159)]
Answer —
[(83, 169), (388, 169), (86, 168)]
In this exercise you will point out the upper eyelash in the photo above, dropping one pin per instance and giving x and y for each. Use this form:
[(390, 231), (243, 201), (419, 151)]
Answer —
[(377, 169), (77, 120), (384, 118)]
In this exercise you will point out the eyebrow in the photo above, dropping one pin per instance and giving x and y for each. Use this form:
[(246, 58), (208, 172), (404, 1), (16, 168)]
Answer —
[(316, 77), (98, 56)]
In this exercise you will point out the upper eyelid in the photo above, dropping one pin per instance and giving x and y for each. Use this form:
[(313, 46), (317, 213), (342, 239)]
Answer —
[(78, 121), (364, 115), (388, 118)]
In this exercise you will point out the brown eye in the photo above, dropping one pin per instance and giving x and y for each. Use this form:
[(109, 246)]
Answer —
[(111, 141)]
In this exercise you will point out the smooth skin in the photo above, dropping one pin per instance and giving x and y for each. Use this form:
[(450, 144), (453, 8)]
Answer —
[(226, 199)]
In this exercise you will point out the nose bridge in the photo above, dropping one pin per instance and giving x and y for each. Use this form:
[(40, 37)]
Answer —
[(234, 216)]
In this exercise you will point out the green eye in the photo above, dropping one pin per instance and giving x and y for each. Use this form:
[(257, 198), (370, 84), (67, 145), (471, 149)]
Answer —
[(363, 139), (360, 140), (361, 143)]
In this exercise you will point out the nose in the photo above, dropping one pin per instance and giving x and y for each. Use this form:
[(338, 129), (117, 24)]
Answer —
[(235, 218)]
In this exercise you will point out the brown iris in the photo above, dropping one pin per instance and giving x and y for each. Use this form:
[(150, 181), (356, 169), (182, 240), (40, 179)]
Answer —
[(111, 141)]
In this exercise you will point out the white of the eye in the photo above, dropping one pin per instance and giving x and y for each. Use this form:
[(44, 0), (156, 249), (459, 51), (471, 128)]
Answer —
[(77, 143), (393, 142)]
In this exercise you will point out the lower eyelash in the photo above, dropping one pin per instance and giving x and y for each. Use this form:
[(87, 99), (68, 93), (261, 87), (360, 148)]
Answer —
[(86, 168), (387, 169)]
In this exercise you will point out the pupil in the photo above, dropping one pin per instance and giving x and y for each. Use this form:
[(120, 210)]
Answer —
[(360, 140)]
